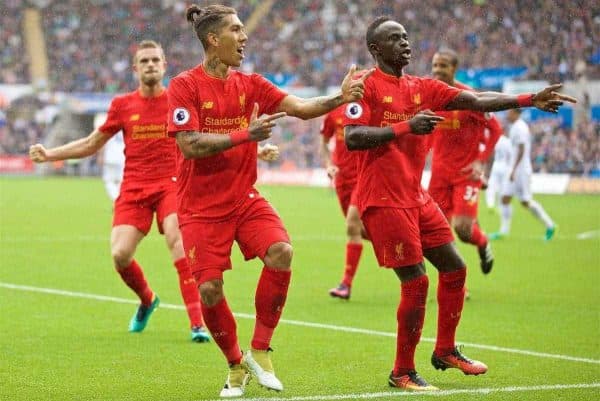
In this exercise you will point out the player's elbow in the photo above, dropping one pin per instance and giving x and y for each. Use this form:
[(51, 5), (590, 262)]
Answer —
[(353, 138)]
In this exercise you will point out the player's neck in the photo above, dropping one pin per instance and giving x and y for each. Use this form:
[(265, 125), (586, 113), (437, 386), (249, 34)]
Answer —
[(391, 70), (151, 90), (215, 67)]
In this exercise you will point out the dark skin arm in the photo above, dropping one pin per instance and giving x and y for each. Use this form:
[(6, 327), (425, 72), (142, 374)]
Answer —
[(358, 137), (362, 137), (547, 99)]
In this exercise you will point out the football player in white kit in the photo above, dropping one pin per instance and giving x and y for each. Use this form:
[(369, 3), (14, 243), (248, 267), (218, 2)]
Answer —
[(500, 168), (112, 160), (517, 182)]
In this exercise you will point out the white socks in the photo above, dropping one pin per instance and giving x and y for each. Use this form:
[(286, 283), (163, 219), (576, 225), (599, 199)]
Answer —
[(538, 211), (505, 218)]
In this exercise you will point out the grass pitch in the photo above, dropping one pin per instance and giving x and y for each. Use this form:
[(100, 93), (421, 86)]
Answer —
[(534, 320)]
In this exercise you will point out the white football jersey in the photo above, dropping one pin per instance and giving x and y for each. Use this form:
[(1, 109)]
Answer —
[(519, 134), (502, 154)]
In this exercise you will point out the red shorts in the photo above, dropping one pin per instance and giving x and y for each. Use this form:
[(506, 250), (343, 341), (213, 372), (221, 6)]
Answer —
[(136, 205), (399, 236), (346, 196), (255, 226), (459, 199)]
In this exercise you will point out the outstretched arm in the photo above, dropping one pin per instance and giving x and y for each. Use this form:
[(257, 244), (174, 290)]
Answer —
[(359, 137), (76, 149), (352, 90), (194, 144), (547, 99)]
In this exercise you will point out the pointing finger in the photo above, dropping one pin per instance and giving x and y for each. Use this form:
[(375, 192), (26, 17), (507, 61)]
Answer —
[(254, 114), (275, 116), (566, 98), (367, 75), (351, 71)]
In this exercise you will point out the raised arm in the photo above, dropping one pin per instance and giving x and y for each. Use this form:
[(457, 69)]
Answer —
[(351, 90), (73, 150), (547, 99), (359, 137), (195, 145)]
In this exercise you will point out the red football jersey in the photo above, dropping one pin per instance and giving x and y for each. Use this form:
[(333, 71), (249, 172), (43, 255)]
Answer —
[(390, 175), (149, 152), (213, 186), (345, 160), (460, 139)]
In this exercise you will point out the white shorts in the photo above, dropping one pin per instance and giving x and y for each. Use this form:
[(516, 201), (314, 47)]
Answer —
[(496, 180), (520, 187), (112, 173)]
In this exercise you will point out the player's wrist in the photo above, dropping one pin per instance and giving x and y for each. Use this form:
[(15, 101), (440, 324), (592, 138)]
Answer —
[(239, 137), (525, 100), (401, 128)]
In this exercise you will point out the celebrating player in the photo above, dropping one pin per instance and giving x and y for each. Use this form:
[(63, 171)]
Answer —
[(402, 221), (517, 181), (148, 185), (458, 163), (341, 168), (214, 115)]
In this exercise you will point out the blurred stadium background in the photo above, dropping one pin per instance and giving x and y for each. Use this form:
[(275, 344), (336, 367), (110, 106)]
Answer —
[(62, 61), (536, 320)]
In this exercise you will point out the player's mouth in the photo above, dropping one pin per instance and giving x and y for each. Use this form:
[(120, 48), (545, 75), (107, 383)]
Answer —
[(405, 54), (240, 51)]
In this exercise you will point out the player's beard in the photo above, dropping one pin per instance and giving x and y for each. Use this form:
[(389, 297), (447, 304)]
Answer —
[(150, 80)]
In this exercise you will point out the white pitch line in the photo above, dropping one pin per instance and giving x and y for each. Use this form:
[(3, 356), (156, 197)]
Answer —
[(301, 323), (441, 393), (588, 234)]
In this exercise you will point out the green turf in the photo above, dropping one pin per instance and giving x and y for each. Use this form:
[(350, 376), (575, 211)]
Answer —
[(540, 297)]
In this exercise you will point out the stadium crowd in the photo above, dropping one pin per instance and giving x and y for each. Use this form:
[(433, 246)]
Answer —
[(310, 43)]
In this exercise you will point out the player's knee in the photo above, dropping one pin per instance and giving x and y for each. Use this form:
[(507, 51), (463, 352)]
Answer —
[(279, 255), (211, 292), (121, 256), (353, 229), (463, 231)]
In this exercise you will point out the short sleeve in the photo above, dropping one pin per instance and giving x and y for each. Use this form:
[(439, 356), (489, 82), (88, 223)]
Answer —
[(113, 123), (267, 95), (358, 113), (439, 93), (183, 114)]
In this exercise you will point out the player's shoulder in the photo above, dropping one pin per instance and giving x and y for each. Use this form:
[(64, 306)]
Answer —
[(462, 86), (189, 77), (123, 99)]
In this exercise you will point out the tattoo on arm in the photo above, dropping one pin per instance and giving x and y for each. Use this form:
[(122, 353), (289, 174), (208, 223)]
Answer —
[(195, 145)]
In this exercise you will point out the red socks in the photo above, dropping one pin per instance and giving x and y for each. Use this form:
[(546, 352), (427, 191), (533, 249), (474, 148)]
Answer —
[(353, 252), (478, 237), (451, 297), (269, 300), (133, 276), (410, 315), (221, 324), (189, 293)]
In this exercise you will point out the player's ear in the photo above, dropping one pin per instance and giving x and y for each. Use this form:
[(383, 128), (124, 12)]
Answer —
[(373, 49), (213, 39)]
